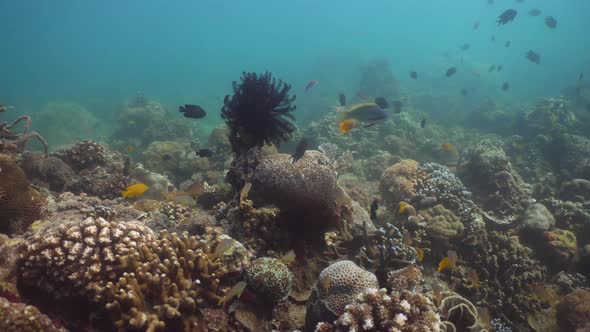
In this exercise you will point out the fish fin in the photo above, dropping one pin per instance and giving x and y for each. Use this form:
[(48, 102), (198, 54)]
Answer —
[(369, 125)]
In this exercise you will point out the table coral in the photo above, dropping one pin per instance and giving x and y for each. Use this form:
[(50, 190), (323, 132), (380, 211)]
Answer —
[(375, 310), (20, 204), (270, 278), (24, 318)]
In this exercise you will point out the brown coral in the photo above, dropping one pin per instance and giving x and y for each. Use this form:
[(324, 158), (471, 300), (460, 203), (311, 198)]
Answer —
[(573, 312), (398, 182), (270, 278), (20, 204), (442, 225), (24, 318)]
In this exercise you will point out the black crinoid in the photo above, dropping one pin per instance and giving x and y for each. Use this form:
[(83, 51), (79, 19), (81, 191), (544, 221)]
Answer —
[(259, 112)]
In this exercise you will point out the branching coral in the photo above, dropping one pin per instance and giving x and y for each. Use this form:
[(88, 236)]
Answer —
[(375, 310), (14, 143), (259, 112), (20, 204)]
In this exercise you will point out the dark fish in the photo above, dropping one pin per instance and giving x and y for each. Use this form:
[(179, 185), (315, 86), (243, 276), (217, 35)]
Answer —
[(374, 207), (507, 16), (414, 75), (533, 57), (534, 12), (204, 153), (465, 47), (166, 157), (3, 108), (581, 76), (476, 25), (499, 68), (464, 92), (381, 102), (493, 38), (300, 150), (192, 111), (551, 22), (397, 107), (520, 1), (505, 86), (490, 2), (423, 123), (588, 107), (507, 44), (342, 99), (451, 71), (492, 68), (310, 85)]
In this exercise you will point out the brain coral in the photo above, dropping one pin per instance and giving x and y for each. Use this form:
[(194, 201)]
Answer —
[(270, 277), (72, 258), (23, 318), (20, 205), (375, 310), (398, 182), (337, 286), (442, 226)]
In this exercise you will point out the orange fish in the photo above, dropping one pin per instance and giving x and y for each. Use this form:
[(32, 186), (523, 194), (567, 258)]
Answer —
[(447, 147), (347, 125), (419, 255), (449, 262)]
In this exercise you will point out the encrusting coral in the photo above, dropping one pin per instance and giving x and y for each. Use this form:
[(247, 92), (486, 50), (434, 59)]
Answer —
[(20, 204), (375, 310), (24, 318)]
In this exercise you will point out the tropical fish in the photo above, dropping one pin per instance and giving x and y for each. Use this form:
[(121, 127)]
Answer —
[(342, 99), (204, 153), (551, 22), (499, 68), (492, 68), (245, 191), (135, 190), (507, 16), (300, 150), (369, 113), (534, 12), (374, 207), (505, 86), (414, 75), (222, 248), (382, 102), (533, 57), (130, 148), (448, 262), (447, 147), (235, 292), (507, 43), (419, 255), (193, 190), (465, 47), (310, 85), (476, 25), (423, 123), (397, 107), (474, 278), (451, 71), (192, 111)]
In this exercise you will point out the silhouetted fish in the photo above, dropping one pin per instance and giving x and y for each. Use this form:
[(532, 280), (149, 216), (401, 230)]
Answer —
[(499, 68), (192, 111), (507, 43), (492, 68), (493, 38), (465, 47), (374, 207), (507, 16), (505, 86), (534, 12), (414, 75), (551, 22), (300, 150), (381, 102), (204, 153), (451, 71), (423, 123), (581, 76), (464, 92), (476, 25), (310, 85), (533, 57), (342, 99), (490, 2), (397, 107)]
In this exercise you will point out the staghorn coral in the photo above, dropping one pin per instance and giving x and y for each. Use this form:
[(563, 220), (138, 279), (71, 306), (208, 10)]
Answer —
[(259, 112), (15, 143), (169, 281), (442, 226), (337, 286), (398, 182), (573, 311), (270, 278), (72, 259), (20, 204), (375, 310), (100, 172), (24, 318)]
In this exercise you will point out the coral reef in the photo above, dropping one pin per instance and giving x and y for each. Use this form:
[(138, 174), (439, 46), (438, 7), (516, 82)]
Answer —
[(159, 185), (407, 278), (441, 225), (47, 171), (259, 112), (537, 218), (399, 182), (337, 286), (24, 318), (270, 278), (15, 143), (173, 158), (573, 311), (375, 310), (458, 311), (570, 154), (20, 204), (561, 248)]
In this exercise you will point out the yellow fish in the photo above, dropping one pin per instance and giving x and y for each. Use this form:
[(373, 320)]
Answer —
[(235, 292), (419, 255), (347, 125), (444, 264), (135, 190)]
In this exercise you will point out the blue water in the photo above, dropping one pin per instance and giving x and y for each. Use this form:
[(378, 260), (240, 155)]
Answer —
[(100, 53)]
